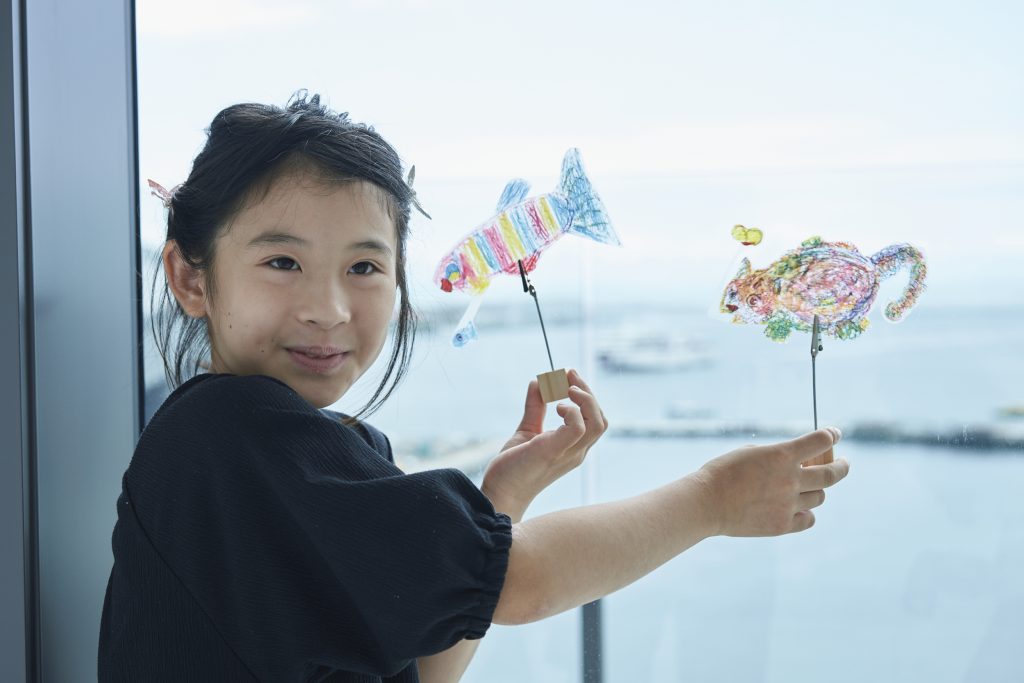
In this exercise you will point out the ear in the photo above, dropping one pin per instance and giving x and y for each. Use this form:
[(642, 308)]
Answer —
[(185, 281), (744, 269)]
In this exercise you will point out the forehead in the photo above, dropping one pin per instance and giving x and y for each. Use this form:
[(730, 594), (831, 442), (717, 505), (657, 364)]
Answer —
[(316, 208)]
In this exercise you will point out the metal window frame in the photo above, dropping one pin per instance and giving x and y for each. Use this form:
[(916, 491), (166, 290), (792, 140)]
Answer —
[(17, 562), (70, 323)]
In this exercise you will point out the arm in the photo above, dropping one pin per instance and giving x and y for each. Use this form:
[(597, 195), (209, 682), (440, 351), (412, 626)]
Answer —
[(449, 666), (527, 464), (571, 557)]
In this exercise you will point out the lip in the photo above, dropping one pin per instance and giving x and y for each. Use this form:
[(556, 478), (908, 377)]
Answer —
[(318, 359)]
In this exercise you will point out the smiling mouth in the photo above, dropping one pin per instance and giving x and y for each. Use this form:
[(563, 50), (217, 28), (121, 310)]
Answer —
[(732, 308), (317, 351), (318, 359)]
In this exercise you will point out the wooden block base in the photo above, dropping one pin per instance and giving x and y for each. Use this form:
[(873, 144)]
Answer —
[(554, 385)]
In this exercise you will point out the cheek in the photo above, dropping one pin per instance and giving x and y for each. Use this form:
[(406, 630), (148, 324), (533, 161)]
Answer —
[(380, 306), (244, 316)]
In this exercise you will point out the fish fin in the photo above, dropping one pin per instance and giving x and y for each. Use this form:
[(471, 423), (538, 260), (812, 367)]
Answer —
[(465, 335), (590, 218), (465, 330), (514, 193)]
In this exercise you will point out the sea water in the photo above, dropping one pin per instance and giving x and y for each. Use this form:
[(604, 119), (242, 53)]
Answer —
[(914, 570)]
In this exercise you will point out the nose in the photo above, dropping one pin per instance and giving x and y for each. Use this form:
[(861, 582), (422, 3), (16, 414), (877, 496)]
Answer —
[(325, 304)]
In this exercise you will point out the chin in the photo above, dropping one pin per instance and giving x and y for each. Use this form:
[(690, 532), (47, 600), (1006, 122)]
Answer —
[(317, 394), (321, 397)]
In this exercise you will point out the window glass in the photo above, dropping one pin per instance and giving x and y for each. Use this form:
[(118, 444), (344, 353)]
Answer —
[(866, 124)]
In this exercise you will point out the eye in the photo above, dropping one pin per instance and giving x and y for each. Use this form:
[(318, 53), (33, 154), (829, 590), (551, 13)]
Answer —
[(753, 300), (283, 263), (364, 268)]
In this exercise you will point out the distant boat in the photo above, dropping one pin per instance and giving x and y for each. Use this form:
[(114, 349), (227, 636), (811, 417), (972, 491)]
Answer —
[(688, 409), (1015, 412), (650, 350)]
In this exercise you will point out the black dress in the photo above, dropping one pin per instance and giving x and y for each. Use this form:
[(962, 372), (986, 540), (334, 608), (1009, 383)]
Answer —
[(260, 539)]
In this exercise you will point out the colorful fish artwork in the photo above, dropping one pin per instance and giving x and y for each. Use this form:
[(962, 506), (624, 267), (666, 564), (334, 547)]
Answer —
[(522, 229), (832, 280)]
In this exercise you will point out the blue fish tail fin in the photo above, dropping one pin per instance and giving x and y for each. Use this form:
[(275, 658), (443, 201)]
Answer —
[(590, 219)]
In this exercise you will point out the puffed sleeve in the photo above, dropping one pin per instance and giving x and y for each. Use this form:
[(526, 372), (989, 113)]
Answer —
[(304, 545)]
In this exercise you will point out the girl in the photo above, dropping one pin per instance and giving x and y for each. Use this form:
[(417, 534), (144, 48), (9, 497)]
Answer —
[(260, 537)]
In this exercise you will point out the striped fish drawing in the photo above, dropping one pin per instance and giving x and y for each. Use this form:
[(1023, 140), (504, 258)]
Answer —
[(522, 229)]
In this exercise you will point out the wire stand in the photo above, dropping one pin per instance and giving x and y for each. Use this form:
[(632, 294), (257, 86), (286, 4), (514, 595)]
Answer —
[(554, 385), (816, 347)]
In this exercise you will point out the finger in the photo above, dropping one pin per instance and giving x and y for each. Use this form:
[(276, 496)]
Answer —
[(810, 499), (535, 409), (823, 459), (815, 477), (813, 444), (802, 521), (590, 409), (572, 429), (576, 380)]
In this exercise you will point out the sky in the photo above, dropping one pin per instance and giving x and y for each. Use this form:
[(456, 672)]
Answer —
[(871, 122)]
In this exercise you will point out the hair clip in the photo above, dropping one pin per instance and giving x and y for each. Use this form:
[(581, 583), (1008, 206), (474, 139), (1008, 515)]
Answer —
[(415, 202), (162, 193)]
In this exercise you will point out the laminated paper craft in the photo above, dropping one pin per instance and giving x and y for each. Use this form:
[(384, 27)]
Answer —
[(521, 230), (747, 236), (831, 280)]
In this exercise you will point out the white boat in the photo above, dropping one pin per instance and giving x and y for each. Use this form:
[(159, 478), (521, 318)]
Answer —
[(649, 350)]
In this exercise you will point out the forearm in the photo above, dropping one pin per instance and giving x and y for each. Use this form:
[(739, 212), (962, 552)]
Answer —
[(565, 559), (447, 666)]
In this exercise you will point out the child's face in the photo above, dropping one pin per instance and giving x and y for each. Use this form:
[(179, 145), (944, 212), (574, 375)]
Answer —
[(304, 286)]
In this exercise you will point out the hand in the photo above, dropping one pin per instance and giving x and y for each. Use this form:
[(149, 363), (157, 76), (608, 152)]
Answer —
[(532, 459), (770, 490)]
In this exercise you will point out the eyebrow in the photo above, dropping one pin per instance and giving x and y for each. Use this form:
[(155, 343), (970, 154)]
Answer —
[(271, 237), (274, 237), (372, 245)]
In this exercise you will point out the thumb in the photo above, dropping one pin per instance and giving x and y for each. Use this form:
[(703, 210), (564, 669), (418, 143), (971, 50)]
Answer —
[(535, 409)]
